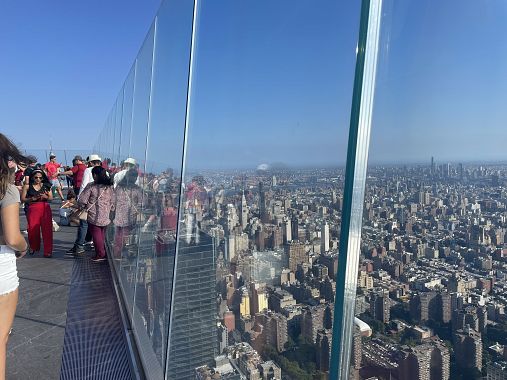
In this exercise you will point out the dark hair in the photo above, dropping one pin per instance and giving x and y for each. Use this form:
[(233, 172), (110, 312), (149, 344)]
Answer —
[(45, 181), (130, 178), (8, 151), (30, 160), (71, 195), (102, 176)]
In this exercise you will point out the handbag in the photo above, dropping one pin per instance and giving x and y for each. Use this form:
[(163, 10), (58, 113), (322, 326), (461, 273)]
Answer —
[(83, 214)]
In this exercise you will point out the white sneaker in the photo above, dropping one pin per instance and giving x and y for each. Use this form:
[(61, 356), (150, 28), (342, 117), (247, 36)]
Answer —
[(56, 227)]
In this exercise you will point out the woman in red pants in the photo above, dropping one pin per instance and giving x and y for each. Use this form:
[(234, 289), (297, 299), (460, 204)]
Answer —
[(37, 193)]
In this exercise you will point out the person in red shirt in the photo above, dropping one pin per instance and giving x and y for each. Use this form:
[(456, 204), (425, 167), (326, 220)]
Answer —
[(19, 176), (52, 169), (77, 173)]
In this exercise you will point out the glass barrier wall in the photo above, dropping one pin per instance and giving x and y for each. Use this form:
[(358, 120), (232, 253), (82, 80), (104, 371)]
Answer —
[(227, 147), (431, 282), (260, 207), (253, 102)]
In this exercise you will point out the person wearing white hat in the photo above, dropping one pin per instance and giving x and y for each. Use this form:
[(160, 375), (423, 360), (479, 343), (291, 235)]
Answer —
[(93, 160), (78, 248), (129, 163)]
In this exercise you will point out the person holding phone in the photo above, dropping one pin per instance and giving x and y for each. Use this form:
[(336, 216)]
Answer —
[(37, 193), (12, 243)]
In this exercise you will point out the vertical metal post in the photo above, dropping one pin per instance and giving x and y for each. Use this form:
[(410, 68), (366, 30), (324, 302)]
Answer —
[(355, 178), (191, 68), (146, 142)]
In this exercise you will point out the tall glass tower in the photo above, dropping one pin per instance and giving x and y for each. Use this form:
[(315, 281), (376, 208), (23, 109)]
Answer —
[(193, 339)]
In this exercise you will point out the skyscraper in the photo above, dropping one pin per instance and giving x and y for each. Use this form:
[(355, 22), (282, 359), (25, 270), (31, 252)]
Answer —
[(297, 254), (243, 211), (380, 306), (295, 228), (324, 238), (244, 306), (468, 348), (287, 230), (263, 214), (427, 361), (193, 330), (323, 350)]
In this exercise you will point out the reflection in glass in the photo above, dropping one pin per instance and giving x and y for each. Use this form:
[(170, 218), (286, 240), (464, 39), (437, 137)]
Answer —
[(128, 184), (127, 112), (430, 279), (262, 186), (250, 227), (161, 181)]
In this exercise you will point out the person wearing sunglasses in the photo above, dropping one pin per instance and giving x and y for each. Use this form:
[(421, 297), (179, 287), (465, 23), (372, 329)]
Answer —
[(37, 194), (12, 243)]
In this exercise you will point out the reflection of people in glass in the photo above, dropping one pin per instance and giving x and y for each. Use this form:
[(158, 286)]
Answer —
[(163, 186), (127, 202), (195, 202), (129, 164), (168, 223)]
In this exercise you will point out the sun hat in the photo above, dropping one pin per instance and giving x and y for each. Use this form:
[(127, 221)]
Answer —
[(94, 157), (130, 161)]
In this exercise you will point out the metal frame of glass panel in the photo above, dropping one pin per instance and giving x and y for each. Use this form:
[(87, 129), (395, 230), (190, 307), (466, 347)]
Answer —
[(183, 161), (355, 182)]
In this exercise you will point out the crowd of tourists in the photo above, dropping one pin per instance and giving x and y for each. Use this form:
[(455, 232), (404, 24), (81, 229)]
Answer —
[(91, 194)]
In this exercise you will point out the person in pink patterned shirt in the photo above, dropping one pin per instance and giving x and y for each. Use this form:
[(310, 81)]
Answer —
[(97, 200), (127, 201)]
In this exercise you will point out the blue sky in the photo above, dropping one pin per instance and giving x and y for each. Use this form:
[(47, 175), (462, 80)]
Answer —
[(62, 65), (272, 80)]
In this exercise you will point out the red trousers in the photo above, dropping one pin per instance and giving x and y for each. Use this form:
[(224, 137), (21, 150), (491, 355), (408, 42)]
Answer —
[(40, 218), (120, 234), (99, 239)]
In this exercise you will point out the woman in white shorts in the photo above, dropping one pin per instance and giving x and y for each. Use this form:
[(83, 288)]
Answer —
[(12, 243)]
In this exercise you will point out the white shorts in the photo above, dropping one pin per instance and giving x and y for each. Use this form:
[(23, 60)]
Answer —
[(55, 182), (9, 281)]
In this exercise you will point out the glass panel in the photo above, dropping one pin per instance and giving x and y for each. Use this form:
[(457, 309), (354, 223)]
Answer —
[(161, 183), (127, 112), (126, 270), (129, 183), (119, 130), (262, 189), (430, 282), (136, 97), (109, 144)]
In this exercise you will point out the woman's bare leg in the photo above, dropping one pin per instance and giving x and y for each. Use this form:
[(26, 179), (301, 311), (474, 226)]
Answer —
[(8, 303)]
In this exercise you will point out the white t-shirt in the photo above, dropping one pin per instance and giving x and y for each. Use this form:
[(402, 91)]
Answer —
[(11, 197), (118, 177), (87, 178)]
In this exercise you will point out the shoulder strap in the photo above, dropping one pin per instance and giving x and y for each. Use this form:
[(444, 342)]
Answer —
[(94, 203)]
